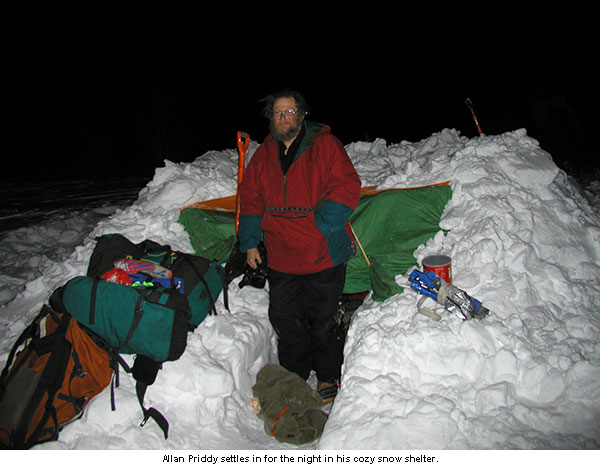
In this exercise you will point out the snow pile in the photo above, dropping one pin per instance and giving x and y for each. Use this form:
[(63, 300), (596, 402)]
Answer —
[(522, 240), (528, 376)]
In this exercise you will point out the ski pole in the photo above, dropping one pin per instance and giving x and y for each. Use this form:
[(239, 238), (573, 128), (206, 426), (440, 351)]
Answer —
[(242, 148), (470, 106), (360, 246)]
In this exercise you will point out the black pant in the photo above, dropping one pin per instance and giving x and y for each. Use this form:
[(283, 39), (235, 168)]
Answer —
[(304, 311)]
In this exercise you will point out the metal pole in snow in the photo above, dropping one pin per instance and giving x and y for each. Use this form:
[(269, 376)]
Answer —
[(470, 106)]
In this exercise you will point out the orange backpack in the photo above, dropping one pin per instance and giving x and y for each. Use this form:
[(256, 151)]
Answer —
[(54, 369)]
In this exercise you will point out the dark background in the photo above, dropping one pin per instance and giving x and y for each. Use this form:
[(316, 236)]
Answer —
[(101, 114)]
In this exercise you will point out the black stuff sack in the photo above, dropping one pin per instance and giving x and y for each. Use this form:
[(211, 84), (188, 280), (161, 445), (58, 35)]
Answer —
[(198, 279)]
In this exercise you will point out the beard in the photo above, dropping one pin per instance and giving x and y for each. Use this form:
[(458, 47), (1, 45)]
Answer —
[(287, 134)]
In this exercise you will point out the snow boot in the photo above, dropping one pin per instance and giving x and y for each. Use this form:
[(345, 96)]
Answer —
[(328, 391)]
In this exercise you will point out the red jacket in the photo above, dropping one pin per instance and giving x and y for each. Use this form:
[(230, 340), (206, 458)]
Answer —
[(304, 213)]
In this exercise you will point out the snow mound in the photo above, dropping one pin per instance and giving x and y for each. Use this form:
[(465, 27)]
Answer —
[(522, 239)]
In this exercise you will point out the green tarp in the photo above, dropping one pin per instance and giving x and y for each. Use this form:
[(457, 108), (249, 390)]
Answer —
[(390, 225)]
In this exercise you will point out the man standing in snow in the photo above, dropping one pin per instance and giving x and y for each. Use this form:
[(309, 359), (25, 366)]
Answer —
[(298, 192)]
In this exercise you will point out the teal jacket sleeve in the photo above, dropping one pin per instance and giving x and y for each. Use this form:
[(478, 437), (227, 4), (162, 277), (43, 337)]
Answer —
[(249, 232), (332, 216)]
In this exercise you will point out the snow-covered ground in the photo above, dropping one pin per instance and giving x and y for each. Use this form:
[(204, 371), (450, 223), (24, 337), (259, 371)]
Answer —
[(523, 238)]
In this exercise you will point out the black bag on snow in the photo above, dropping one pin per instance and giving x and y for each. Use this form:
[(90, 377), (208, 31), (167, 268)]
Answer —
[(203, 279), (53, 371)]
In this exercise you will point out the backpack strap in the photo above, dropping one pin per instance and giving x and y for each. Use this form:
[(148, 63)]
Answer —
[(140, 374), (137, 317), (140, 389), (223, 274), (221, 271), (94, 293), (144, 372), (76, 371)]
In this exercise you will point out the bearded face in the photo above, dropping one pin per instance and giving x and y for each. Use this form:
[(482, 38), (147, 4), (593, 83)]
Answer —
[(286, 122)]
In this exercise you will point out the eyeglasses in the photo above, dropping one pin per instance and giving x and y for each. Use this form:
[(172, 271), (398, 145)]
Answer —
[(285, 113)]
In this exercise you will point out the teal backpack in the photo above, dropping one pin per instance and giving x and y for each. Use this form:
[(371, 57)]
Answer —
[(151, 321)]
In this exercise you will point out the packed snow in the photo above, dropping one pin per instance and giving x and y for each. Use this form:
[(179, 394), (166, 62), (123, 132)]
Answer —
[(523, 238)]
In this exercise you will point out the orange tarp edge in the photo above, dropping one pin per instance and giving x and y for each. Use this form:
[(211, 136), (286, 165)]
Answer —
[(218, 204), (228, 204)]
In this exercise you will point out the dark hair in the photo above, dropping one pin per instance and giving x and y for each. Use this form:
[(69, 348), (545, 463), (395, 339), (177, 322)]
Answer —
[(269, 101)]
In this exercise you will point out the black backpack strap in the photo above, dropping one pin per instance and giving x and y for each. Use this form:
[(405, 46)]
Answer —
[(137, 316), (76, 371), (222, 274), (94, 293), (140, 389), (114, 360), (144, 372)]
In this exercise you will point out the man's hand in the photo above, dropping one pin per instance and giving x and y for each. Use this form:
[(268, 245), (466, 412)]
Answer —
[(253, 258)]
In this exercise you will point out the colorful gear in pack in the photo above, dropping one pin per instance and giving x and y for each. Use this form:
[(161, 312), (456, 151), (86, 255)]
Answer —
[(136, 266), (140, 279), (116, 275)]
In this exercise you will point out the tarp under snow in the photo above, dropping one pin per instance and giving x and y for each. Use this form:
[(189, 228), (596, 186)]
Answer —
[(390, 225)]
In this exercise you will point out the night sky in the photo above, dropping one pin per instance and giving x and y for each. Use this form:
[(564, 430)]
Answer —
[(110, 114)]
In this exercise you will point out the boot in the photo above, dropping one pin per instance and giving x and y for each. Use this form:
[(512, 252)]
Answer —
[(328, 391)]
